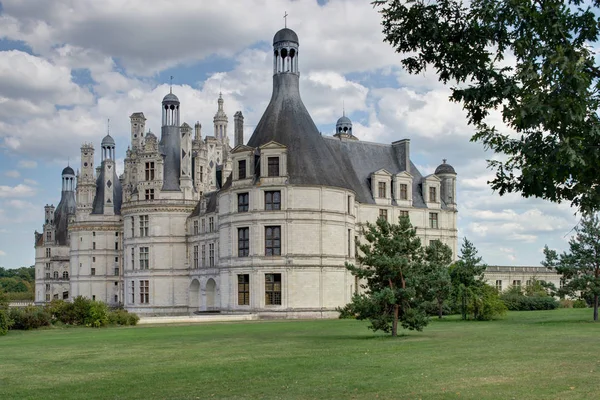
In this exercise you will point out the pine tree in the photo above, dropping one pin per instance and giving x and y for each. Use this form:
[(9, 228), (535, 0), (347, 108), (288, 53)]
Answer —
[(467, 276), (391, 262), (438, 257)]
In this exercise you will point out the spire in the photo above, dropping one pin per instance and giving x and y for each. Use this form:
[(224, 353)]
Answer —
[(171, 85), (285, 15)]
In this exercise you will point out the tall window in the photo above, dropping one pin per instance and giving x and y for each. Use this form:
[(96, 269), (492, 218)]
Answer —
[(203, 225), (93, 271), (196, 264), (272, 240), (149, 194), (47, 265), (383, 213), (403, 191), (195, 227), (93, 245), (243, 202), (349, 204), (133, 258), (132, 292), (211, 224), (144, 259), (381, 186), (49, 235), (432, 194), (244, 290), (65, 275), (132, 226), (273, 166), (116, 271), (349, 243), (243, 242), (242, 169), (499, 285), (150, 171), (201, 173), (143, 225), (273, 289), (55, 275), (49, 252), (433, 220), (404, 213), (517, 283), (211, 254), (144, 292), (273, 200), (203, 258)]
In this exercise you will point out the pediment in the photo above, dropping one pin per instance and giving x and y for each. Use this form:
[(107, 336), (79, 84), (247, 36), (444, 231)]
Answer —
[(241, 148), (432, 178), (273, 145), (403, 175), (382, 171)]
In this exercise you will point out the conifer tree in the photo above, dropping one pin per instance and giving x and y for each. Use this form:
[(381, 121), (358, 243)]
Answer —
[(438, 257), (467, 276)]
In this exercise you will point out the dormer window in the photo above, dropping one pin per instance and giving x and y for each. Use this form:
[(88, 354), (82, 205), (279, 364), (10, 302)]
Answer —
[(382, 189), (432, 194), (273, 166), (403, 191), (150, 171), (242, 169)]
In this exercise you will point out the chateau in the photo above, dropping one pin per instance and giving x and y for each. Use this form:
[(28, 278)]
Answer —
[(265, 227)]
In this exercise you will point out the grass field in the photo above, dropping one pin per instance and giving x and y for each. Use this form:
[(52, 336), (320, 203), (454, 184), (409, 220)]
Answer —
[(528, 355)]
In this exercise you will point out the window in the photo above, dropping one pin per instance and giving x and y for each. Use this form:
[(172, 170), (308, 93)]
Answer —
[(143, 225), (273, 289), (211, 254), (55, 274), (272, 240), (133, 258), (150, 171), (116, 259), (49, 235), (243, 242), (273, 166), (116, 234), (93, 271), (349, 243), (381, 189), (116, 298), (201, 173), (149, 194), (203, 258), (517, 283), (47, 296), (144, 258), (132, 227), (243, 201), (432, 194), (242, 169), (65, 295), (47, 275), (116, 271), (499, 285), (273, 200), (211, 224), (203, 225), (528, 282), (65, 275), (383, 214), (47, 265), (93, 259), (403, 191), (132, 292), (195, 227), (196, 265), (48, 252), (93, 245), (94, 234), (116, 283), (433, 220), (349, 204), (144, 292), (404, 213), (244, 290), (116, 245)]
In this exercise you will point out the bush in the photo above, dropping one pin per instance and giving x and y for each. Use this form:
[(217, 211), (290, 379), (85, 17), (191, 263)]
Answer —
[(431, 308), (526, 303), (565, 303), (30, 317), (487, 305), (122, 317), (98, 315), (579, 304), (5, 322)]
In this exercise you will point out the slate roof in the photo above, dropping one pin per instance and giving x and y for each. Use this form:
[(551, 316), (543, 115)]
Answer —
[(211, 204), (285, 35), (66, 207), (98, 205), (68, 171)]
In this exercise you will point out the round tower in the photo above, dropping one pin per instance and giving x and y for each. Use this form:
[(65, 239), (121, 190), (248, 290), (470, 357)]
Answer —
[(220, 121), (68, 179), (447, 174), (108, 148), (285, 52)]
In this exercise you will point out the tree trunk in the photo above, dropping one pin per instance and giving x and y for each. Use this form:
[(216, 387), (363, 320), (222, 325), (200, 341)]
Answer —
[(440, 309), (464, 306), (395, 323), (595, 307)]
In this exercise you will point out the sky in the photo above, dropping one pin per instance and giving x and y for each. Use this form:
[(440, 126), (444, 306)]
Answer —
[(68, 66)]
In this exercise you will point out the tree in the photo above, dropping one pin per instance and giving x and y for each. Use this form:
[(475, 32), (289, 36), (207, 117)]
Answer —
[(391, 262), (532, 61), (438, 257), (467, 276), (580, 266)]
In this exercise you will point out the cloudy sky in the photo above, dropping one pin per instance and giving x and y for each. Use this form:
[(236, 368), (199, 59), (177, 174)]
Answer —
[(66, 66)]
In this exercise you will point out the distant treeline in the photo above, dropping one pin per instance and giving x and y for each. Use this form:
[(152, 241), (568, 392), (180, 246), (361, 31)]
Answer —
[(18, 283)]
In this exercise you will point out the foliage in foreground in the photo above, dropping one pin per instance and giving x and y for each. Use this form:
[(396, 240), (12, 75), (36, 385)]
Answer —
[(548, 93), (580, 266), (537, 295)]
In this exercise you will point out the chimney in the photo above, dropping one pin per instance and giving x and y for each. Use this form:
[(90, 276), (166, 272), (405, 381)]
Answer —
[(238, 126), (402, 149)]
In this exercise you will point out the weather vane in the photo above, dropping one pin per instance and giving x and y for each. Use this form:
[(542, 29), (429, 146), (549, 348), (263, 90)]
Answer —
[(285, 15), (108, 126)]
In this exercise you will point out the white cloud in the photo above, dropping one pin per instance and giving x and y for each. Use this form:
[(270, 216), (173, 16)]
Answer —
[(27, 164), (13, 173), (16, 191), (30, 181), (2, 253)]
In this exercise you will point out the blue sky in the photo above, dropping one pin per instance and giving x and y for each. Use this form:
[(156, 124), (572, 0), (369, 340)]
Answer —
[(67, 66)]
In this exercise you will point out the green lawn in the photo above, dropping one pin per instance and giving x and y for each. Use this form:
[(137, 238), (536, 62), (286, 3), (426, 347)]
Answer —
[(528, 355)]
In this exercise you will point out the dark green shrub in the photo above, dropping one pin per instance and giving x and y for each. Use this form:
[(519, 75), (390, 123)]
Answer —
[(122, 317), (487, 305), (431, 308), (60, 311), (30, 317), (5, 322), (579, 304), (525, 303), (98, 315)]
